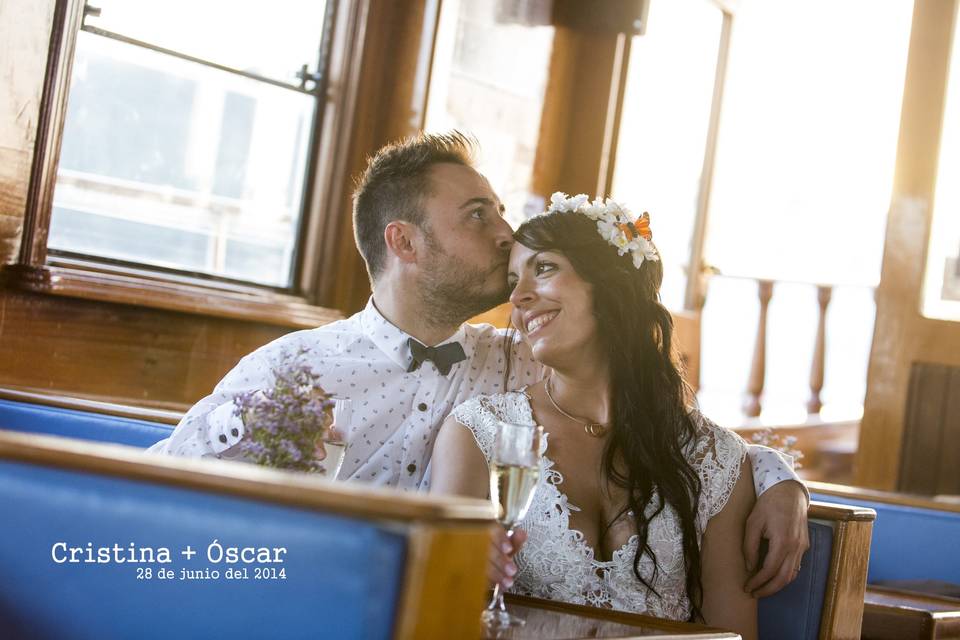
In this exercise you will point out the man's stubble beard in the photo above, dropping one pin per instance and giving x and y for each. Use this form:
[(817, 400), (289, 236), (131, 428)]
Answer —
[(452, 291)]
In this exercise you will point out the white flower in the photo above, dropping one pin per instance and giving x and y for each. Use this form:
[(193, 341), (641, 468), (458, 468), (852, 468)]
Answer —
[(621, 243), (578, 201), (592, 211), (608, 230), (649, 251), (558, 201)]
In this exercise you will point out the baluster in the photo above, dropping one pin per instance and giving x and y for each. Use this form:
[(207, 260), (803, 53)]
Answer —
[(758, 370), (814, 405)]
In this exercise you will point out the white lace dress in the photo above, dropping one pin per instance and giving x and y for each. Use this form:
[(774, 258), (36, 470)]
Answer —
[(557, 564)]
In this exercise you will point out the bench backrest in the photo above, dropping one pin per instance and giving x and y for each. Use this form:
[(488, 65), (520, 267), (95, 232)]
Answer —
[(344, 572), (85, 425), (913, 538)]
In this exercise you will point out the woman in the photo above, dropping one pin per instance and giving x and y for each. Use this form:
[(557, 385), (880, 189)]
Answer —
[(642, 503)]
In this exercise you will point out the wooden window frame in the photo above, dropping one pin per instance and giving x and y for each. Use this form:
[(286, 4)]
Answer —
[(104, 280)]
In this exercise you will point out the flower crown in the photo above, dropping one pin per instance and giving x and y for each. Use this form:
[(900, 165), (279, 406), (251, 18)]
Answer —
[(615, 224)]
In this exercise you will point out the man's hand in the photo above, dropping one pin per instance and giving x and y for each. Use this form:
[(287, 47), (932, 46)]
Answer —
[(320, 451), (500, 566), (780, 516)]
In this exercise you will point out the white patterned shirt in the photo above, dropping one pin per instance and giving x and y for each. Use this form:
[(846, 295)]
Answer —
[(395, 414)]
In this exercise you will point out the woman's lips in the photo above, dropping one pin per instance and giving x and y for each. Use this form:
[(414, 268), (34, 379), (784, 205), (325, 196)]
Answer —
[(538, 322)]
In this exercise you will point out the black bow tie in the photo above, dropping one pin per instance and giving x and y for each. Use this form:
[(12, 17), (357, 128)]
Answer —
[(444, 356)]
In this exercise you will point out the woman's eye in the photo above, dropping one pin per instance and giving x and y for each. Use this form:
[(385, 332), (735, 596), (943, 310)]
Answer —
[(477, 214), (511, 284), (544, 267)]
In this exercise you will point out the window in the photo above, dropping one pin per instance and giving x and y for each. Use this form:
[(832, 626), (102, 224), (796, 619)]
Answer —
[(489, 78), (187, 139), (941, 289), (808, 138), (663, 130), (800, 194)]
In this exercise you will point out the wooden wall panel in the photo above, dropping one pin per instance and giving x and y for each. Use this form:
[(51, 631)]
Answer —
[(119, 353), (24, 41), (930, 462)]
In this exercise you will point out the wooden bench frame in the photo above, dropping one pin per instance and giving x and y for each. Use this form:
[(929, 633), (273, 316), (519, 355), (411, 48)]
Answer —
[(899, 613), (846, 583)]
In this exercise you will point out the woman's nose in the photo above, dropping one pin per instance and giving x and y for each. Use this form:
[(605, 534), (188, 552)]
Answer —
[(522, 293)]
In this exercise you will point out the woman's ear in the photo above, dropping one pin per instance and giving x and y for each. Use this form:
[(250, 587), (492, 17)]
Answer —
[(401, 240)]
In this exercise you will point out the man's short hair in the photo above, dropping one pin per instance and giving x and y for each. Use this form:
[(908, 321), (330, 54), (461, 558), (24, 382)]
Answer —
[(394, 185)]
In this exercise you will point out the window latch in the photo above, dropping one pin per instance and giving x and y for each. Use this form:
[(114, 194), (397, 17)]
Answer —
[(89, 10), (306, 76)]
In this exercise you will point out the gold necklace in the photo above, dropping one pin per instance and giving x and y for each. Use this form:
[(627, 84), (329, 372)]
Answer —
[(593, 429)]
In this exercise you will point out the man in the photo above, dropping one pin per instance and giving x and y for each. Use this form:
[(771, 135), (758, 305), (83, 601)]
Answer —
[(431, 232)]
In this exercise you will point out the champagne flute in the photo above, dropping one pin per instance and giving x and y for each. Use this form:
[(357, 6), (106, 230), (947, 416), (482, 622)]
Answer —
[(334, 444), (514, 474)]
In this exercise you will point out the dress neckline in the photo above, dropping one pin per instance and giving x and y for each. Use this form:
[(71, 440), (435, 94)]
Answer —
[(563, 501)]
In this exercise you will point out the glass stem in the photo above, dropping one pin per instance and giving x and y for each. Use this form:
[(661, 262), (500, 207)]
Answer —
[(496, 602)]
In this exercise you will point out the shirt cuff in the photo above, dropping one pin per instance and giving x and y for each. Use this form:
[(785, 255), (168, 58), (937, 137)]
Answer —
[(771, 467), (224, 428)]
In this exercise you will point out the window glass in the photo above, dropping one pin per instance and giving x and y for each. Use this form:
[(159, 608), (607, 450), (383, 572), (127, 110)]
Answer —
[(273, 39), (171, 163)]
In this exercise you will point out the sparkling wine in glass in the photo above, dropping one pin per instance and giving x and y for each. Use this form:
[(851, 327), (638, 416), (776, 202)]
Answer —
[(514, 476)]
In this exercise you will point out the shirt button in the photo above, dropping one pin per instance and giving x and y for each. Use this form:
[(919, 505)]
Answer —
[(422, 406), (411, 468)]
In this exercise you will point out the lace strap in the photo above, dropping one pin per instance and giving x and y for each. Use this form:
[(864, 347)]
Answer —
[(717, 457), (472, 415), (482, 413)]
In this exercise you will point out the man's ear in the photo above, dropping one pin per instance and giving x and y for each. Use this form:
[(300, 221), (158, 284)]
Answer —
[(402, 239)]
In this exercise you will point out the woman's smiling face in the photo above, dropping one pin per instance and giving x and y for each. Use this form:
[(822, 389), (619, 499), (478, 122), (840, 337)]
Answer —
[(552, 307)]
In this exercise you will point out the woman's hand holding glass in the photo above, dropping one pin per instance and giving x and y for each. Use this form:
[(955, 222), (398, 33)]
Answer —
[(514, 476)]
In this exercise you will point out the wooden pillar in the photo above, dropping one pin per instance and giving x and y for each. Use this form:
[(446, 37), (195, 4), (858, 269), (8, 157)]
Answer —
[(902, 336), (385, 100), (24, 45), (581, 113), (819, 351), (758, 370)]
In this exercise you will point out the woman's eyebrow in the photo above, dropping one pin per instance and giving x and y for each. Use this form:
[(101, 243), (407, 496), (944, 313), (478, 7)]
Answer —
[(526, 263)]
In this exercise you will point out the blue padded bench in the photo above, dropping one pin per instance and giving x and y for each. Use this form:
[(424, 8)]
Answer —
[(345, 564), (85, 425), (909, 542)]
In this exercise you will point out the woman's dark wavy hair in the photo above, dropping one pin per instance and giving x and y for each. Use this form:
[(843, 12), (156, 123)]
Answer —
[(651, 424)]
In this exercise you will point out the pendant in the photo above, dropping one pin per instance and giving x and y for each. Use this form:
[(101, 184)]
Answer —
[(594, 430)]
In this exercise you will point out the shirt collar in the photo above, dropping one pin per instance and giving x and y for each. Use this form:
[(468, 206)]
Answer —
[(392, 340)]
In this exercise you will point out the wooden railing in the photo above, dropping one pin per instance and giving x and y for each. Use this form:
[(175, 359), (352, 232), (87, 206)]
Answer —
[(753, 403)]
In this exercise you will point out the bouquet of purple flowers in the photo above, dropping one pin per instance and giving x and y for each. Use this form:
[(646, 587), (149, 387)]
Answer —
[(286, 423)]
